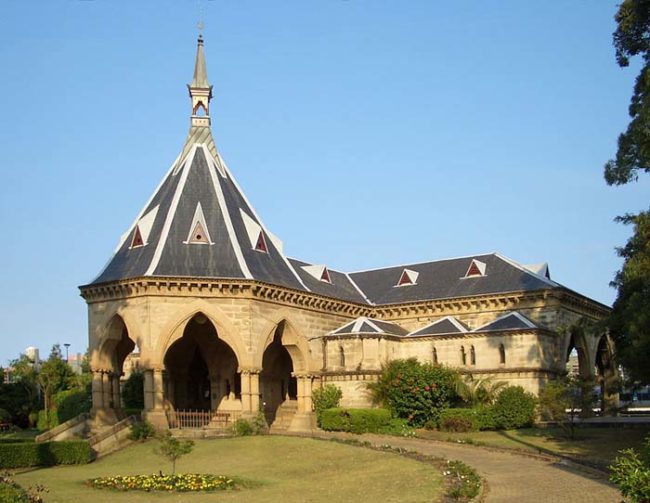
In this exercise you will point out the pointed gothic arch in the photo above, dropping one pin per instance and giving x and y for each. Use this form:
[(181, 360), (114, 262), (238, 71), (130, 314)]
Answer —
[(202, 371)]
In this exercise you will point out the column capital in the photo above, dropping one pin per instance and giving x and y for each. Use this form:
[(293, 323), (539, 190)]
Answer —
[(249, 370)]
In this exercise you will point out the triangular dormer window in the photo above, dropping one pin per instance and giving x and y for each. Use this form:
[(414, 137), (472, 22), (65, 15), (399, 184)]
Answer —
[(198, 234), (325, 276), (476, 269), (318, 272), (407, 278), (137, 238), (143, 229), (260, 245)]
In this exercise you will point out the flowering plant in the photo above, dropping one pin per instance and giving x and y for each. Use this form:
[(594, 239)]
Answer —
[(181, 482)]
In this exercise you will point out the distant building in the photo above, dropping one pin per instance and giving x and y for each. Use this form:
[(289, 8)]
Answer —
[(76, 362)]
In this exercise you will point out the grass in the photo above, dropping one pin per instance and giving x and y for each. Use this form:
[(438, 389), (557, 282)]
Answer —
[(28, 434), (595, 445), (285, 469)]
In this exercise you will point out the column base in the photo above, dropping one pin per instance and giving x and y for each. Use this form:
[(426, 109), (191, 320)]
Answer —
[(304, 422), (157, 418), (103, 417)]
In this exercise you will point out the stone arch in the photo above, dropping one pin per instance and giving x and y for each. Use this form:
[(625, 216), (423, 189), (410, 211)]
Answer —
[(606, 373), (174, 329), (576, 340), (284, 357), (292, 339), (115, 345), (201, 369)]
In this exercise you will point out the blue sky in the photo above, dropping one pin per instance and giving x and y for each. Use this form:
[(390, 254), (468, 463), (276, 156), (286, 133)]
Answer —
[(366, 133)]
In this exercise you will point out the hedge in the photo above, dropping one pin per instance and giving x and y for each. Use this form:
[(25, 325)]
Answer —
[(514, 408), (18, 455), (355, 420), (467, 419)]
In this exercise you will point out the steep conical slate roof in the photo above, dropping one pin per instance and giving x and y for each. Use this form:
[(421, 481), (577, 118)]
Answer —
[(198, 223)]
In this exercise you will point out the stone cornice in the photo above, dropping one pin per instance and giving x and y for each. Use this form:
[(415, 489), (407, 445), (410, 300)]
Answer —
[(253, 289)]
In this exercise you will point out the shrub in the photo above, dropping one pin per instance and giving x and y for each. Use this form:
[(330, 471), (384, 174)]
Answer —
[(47, 419), (70, 403), (327, 397), (141, 430), (242, 428), (133, 391), (415, 391), (485, 417), (5, 417), (514, 408), (631, 473), (24, 454), (356, 420), (458, 420), (255, 426)]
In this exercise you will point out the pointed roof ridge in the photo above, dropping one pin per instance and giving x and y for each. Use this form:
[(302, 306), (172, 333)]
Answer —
[(495, 323), (461, 328), (200, 79)]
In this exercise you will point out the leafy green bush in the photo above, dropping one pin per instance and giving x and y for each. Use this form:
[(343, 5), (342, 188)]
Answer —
[(327, 397), (141, 430), (485, 418), (4, 416), (242, 428), (70, 403), (631, 473), (415, 391), (356, 420), (514, 408), (47, 419), (458, 420), (133, 391), (254, 426), (24, 454)]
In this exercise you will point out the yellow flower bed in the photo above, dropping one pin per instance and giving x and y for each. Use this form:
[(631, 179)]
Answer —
[(182, 482)]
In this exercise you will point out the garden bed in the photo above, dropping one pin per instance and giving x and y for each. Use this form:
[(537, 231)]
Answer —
[(180, 482)]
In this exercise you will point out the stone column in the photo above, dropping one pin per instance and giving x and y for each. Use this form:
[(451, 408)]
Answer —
[(158, 390), (148, 390), (117, 396), (246, 392), (97, 391), (308, 388), (255, 390), (107, 389)]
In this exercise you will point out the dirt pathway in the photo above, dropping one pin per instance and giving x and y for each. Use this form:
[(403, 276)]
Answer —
[(511, 478)]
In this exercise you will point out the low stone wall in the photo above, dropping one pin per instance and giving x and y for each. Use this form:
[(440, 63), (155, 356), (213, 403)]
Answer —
[(73, 428), (112, 438)]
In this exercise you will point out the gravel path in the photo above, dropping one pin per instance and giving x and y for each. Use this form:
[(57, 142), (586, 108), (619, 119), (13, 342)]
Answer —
[(511, 477)]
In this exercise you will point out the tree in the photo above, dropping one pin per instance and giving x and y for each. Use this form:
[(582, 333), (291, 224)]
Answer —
[(55, 375), (133, 391), (171, 448), (629, 323), (561, 401)]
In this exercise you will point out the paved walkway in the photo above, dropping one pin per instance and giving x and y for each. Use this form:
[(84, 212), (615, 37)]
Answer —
[(511, 478)]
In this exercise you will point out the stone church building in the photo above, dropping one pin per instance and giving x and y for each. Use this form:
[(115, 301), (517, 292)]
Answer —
[(227, 324)]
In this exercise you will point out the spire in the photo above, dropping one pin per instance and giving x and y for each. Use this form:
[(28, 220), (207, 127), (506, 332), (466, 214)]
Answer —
[(200, 89)]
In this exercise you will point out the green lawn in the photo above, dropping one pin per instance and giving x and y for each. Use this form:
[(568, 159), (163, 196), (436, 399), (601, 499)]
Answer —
[(598, 445), (288, 469)]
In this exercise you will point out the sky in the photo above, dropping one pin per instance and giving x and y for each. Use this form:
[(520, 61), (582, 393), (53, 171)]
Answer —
[(366, 133)]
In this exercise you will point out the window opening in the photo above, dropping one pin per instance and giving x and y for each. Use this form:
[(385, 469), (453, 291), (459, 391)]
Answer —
[(463, 355), (502, 354), (137, 238), (472, 355)]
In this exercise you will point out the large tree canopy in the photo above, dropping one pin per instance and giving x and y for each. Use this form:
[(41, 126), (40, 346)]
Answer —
[(632, 38), (630, 319)]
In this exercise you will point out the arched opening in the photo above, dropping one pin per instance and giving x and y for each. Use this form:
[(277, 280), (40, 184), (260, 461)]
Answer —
[(577, 360), (200, 110), (606, 377), (472, 355), (434, 356), (201, 370), (341, 357), (117, 349), (463, 356), (502, 354), (278, 385)]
